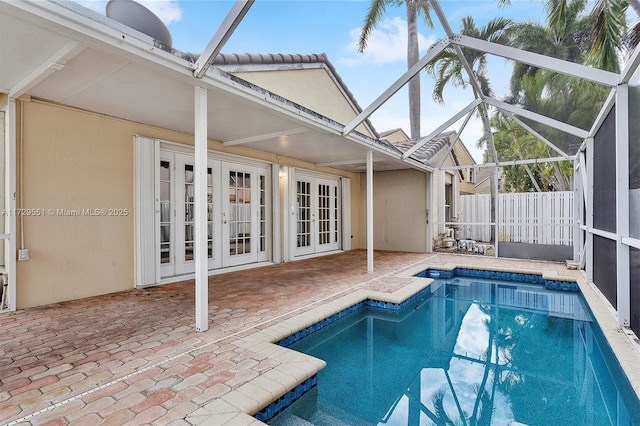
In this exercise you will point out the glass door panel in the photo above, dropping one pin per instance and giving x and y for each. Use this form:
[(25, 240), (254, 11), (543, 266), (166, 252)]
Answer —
[(185, 216), (305, 217), (317, 215), (238, 218), (166, 219), (327, 203), (240, 215)]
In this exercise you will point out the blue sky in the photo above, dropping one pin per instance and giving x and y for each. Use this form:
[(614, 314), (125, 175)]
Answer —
[(332, 27)]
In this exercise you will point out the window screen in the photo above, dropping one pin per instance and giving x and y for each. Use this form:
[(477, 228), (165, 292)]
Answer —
[(604, 268), (604, 175)]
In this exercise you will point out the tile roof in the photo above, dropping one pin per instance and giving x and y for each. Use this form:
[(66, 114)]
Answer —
[(269, 58), (427, 151)]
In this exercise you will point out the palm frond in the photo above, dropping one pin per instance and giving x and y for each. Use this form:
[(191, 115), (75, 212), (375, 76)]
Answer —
[(424, 9), (632, 37), (557, 15), (371, 20), (610, 26)]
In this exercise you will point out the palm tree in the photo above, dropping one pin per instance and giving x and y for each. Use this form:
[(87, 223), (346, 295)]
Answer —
[(515, 143), (414, 8), (608, 21), (568, 36), (447, 68)]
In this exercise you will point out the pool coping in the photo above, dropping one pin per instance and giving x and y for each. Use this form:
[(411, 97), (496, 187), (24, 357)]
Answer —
[(240, 405)]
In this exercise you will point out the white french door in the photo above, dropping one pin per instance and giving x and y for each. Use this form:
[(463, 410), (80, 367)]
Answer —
[(185, 217), (237, 220), (177, 218), (239, 216), (317, 208)]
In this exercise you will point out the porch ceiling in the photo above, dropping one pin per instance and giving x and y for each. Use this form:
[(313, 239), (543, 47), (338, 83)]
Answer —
[(51, 53)]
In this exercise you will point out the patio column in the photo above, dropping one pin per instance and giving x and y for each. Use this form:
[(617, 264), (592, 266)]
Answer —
[(10, 247), (589, 211), (370, 211), (430, 213), (577, 211), (622, 205), (496, 229), (200, 181)]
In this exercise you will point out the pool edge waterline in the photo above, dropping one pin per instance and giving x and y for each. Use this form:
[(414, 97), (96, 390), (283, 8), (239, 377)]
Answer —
[(297, 368)]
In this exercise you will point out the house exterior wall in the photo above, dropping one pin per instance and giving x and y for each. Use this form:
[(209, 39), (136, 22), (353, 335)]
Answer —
[(311, 88), (399, 210), (73, 160), (396, 137), (483, 187), (464, 158)]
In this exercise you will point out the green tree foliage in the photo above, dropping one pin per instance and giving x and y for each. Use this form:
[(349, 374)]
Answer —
[(575, 33), (448, 68)]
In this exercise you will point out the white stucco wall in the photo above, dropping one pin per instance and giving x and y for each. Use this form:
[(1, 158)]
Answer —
[(399, 215)]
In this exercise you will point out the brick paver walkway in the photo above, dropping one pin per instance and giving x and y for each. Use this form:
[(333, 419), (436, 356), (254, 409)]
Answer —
[(134, 357)]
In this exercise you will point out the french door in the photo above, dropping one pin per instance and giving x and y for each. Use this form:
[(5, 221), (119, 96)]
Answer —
[(317, 208), (244, 214), (177, 214), (237, 221)]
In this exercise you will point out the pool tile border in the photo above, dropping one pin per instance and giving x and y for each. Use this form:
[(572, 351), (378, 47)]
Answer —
[(239, 406), (621, 340), (550, 283)]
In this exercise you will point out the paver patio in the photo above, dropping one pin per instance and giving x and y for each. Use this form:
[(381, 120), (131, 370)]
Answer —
[(134, 357)]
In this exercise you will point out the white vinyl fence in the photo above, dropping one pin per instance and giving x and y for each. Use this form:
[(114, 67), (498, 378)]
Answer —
[(532, 217)]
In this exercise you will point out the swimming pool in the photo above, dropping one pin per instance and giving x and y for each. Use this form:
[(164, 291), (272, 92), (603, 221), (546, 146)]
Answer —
[(468, 351)]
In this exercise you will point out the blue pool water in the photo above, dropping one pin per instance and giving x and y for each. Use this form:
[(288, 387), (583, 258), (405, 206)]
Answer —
[(469, 352)]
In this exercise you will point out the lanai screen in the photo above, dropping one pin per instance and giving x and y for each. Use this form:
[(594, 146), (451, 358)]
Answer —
[(604, 208)]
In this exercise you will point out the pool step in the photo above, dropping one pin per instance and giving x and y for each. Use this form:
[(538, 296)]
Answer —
[(318, 418), (290, 420)]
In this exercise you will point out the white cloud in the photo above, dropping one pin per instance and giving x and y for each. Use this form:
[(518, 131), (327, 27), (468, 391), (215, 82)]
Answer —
[(167, 10), (387, 44)]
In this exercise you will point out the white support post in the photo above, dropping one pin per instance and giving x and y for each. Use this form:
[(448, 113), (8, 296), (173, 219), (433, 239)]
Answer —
[(429, 212), (288, 213), (441, 200), (276, 217), (10, 200), (454, 195), (622, 205), (577, 211), (589, 185), (496, 228), (200, 169), (370, 211), (582, 202)]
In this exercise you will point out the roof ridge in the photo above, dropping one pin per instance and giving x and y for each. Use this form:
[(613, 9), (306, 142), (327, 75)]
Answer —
[(269, 58)]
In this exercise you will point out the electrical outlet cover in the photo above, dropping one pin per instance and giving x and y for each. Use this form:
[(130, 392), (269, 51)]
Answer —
[(23, 254)]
